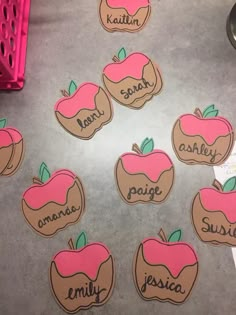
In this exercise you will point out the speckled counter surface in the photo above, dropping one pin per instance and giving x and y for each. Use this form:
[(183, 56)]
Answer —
[(188, 40)]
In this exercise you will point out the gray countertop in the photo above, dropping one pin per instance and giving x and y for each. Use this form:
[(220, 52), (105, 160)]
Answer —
[(188, 40)]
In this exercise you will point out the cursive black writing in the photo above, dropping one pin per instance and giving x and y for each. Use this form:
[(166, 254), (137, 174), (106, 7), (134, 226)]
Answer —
[(202, 150), (85, 291), (218, 229), (136, 88), (122, 19), (90, 119), (168, 285), (56, 216), (152, 191)]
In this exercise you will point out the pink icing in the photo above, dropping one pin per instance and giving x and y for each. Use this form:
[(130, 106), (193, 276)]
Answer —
[(87, 260), (16, 135), (175, 256), (213, 200), (82, 98), (151, 164), (132, 66), (131, 6), (5, 138), (54, 189), (210, 128), (64, 171)]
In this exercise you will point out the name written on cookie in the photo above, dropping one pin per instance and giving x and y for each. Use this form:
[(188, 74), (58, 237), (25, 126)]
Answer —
[(201, 150), (151, 281), (83, 292), (122, 19), (57, 216), (84, 123), (136, 88), (151, 192), (218, 229)]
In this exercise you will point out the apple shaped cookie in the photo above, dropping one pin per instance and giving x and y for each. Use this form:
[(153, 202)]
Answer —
[(11, 149), (214, 215), (203, 138), (144, 176), (124, 15), (53, 202), (82, 277), (165, 270), (132, 80), (84, 110)]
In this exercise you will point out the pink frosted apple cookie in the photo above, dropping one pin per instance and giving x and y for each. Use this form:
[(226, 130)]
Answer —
[(11, 149), (54, 201), (203, 138), (124, 15), (84, 110), (132, 80), (144, 176), (214, 215), (165, 270), (83, 276)]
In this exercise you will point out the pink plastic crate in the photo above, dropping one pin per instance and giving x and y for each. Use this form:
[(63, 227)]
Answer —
[(14, 18)]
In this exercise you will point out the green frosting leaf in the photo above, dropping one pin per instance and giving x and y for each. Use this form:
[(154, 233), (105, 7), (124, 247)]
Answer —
[(144, 143), (175, 236), (72, 87), (81, 240), (147, 146), (44, 173), (213, 113), (230, 184), (42, 166), (122, 54), (3, 122), (208, 109)]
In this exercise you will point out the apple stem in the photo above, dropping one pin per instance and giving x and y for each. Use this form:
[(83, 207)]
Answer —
[(71, 244), (217, 185), (65, 93), (136, 149), (116, 59), (198, 113), (162, 235), (36, 180)]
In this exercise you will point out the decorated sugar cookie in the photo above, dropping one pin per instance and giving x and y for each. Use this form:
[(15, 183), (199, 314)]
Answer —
[(132, 80), (83, 276), (214, 214), (54, 201), (203, 138), (147, 175), (11, 149), (84, 110), (166, 269), (124, 15)]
